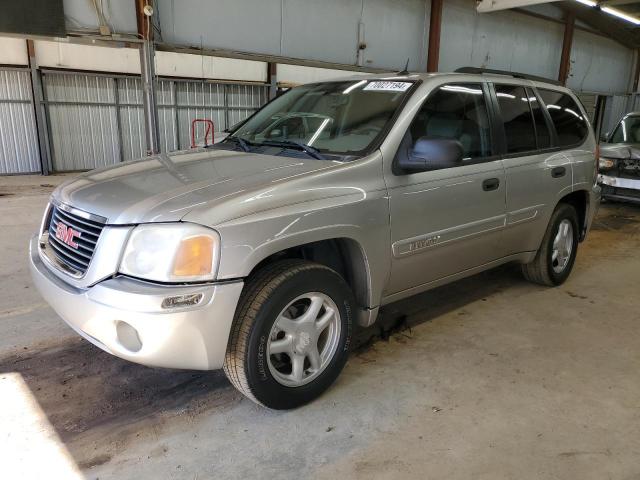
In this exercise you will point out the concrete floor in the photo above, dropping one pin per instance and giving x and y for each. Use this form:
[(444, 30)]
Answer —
[(493, 378)]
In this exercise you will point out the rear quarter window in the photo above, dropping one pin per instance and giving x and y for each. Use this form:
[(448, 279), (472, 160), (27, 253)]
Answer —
[(571, 126)]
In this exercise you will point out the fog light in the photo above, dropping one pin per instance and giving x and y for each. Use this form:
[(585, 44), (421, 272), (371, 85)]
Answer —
[(182, 300), (128, 336)]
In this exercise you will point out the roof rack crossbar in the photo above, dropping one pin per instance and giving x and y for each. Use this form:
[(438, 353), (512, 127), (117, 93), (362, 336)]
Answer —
[(492, 71)]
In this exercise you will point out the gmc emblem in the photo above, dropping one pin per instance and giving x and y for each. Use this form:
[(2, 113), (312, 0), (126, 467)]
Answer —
[(66, 234)]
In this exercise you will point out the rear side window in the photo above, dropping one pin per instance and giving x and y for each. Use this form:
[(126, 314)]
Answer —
[(571, 126), (517, 118), (455, 112)]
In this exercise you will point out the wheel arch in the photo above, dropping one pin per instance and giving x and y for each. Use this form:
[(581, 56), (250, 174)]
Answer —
[(343, 254), (579, 199)]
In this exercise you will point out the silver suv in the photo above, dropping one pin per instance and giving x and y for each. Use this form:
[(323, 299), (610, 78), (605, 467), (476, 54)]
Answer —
[(260, 254)]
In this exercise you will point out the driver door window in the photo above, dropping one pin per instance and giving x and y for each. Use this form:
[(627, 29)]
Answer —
[(454, 112)]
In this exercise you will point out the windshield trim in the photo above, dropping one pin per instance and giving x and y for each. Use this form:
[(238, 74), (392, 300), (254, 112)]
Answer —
[(375, 143)]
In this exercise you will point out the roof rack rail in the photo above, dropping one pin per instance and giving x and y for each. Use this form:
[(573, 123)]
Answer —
[(492, 71)]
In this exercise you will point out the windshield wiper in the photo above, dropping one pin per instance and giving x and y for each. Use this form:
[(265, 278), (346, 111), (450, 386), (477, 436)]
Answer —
[(244, 144), (308, 149)]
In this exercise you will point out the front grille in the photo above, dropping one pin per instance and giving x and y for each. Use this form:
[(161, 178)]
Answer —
[(628, 193), (77, 259), (629, 168)]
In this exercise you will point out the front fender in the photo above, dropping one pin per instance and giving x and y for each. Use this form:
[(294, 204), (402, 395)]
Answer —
[(362, 217)]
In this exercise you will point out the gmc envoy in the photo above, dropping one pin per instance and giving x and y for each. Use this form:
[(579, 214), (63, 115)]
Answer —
[(259, 254)]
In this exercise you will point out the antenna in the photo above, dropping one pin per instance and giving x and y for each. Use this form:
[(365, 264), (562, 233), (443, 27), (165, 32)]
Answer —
[(406, 69)]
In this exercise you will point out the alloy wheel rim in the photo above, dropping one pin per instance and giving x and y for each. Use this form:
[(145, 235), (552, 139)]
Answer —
[(562, 246), (304, 339)]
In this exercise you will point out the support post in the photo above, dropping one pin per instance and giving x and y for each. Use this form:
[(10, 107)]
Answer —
[(148, 77), (435, 26), (149, 98), (636, 76), (598, 116), (272, 79), (565, 58), (37, 97)]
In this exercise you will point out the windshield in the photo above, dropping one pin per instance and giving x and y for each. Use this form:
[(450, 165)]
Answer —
[(627, 131), (345, 118)]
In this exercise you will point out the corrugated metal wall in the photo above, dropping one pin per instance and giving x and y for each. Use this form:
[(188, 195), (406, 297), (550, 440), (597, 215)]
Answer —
[(131, 117), (394, 30), (97, 120), (615, 108), (599, 64), (18, 136), (83, 122), (199, 100), (589, 102), (505, 40), (242, 101), (224, 104)]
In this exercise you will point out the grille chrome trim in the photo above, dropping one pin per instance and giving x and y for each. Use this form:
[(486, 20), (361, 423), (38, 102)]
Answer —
[(78, 212), (87, 227), (73, 261)]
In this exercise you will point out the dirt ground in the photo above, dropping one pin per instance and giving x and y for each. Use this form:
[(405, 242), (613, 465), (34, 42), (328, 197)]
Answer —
[(487, 378)]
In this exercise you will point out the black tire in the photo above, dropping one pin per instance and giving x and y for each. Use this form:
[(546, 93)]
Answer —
[(541, 270), (265, 295)]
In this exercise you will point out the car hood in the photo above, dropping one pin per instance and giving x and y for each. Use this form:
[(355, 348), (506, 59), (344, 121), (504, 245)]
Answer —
[(620, 151), (166, 187)]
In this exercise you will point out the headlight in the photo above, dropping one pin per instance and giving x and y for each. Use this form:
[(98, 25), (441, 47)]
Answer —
[(606, 164), (172, 252)]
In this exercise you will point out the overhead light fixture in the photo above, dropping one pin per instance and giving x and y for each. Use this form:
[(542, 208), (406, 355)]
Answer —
[(622, 15), (485, 6), (611, 11)]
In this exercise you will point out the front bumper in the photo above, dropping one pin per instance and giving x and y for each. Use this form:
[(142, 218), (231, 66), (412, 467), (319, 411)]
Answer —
[(125, 318), (620, 188)]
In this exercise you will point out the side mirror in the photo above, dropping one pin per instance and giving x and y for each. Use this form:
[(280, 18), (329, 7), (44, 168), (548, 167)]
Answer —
[(432, 155), (604, 137)]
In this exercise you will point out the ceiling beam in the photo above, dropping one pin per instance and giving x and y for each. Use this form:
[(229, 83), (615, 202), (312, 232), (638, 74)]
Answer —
[(484, 6)]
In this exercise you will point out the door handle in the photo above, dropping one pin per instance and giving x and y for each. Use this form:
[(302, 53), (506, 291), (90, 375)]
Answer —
[(490, 184), (558, 172)]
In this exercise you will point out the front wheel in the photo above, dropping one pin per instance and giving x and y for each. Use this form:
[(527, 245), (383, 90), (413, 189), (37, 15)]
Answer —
[(555, 258), (291, 334)]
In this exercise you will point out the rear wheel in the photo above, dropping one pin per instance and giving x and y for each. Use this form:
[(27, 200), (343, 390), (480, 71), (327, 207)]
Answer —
[(555, 258), (291, 335)]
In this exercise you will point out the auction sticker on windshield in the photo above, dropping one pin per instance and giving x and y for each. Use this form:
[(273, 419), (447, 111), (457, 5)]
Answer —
[(388, 86)]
